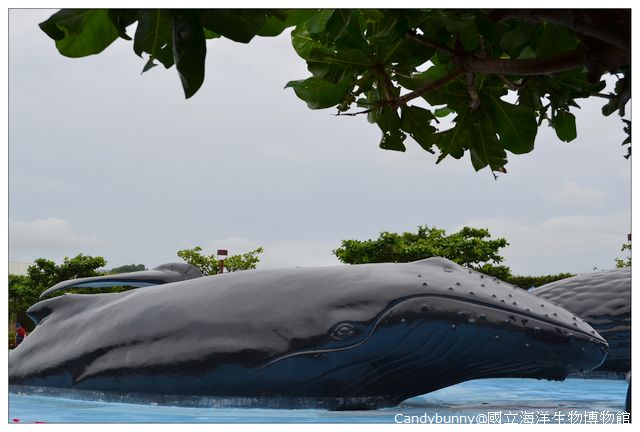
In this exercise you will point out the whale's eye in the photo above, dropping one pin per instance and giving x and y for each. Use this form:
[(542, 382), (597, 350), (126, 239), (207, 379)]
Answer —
[(343, 331)]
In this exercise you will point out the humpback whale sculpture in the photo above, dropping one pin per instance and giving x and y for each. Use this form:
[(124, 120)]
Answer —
[(603, 300), (343, 337)]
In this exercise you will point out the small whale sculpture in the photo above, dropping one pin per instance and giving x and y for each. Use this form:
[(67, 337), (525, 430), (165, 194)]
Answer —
[(343, 337)]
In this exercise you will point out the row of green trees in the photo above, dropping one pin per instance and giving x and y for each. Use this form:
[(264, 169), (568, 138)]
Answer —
[(469, 247), (209, 264), (25, 290), (624, 262)]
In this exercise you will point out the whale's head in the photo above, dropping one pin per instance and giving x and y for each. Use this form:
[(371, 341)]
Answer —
[(408, 329)]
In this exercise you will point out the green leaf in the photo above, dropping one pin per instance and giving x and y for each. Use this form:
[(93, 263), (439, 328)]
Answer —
[(458, 24), (272, 26), (578, 80), (389, 119), (149, 64), (516, 124), (331, 72), (352, 57), (443, 112), (50, 26), (372, 15), (611, 106), (189, 50), (416, 122), (280, 19), (298, 16), (452, 141), (390, 29), (121, 19), (423, 78), (514, 40), (373, 96), (408, 54), (484, 148), (318, 93), (318, 21), (154, 36), (239, 25), (392, 137), (527, 53), (556, 40), (466, 30), (210, 34), (343, 30), (453, 93), (303, 43), (80, 32), (388, 39), (335, 67), (564, 124)]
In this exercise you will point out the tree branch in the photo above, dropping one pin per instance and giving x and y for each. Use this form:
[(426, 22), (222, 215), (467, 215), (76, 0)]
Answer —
[(396, 102), (426, 42), (430, 86), (603, 95), (473, 93), (367, 111), (559, 63), (511, 85), (611, 26), (525, 67), (563, 62)]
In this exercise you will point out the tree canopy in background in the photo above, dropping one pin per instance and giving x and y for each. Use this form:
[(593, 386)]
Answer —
[(127, 268), (25, 290), (209, 264), (46, 273), (403, 69), (624, 262), (469, 247)]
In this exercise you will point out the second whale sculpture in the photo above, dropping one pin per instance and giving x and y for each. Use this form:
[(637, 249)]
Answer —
[(343, 337), (602, 299)]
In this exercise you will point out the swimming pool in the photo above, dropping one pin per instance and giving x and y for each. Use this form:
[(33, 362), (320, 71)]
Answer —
[(479, 401)]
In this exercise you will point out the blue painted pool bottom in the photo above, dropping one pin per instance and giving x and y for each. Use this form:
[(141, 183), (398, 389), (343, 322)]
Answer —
[(513, 398)]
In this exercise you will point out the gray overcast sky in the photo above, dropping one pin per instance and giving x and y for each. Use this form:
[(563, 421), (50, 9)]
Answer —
[(105, 161)]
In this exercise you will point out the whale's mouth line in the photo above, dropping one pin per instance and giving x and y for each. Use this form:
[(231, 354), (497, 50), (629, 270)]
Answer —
[(506, 309), (400, 300)]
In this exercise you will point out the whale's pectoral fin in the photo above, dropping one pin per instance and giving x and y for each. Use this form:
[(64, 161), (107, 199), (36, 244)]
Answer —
[(166, 273), (41, 310)]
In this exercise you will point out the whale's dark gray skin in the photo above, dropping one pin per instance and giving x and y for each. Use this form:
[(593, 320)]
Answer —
[(343, 337), (165, 273), (603, 300)]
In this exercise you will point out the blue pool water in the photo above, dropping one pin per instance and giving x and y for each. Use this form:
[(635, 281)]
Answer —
[(515, 399)]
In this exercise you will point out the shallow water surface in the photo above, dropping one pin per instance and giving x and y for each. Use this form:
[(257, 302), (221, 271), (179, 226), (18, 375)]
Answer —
[(517, 401)]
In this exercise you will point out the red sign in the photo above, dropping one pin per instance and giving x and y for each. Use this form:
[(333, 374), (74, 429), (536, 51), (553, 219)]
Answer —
[(223, 252)]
